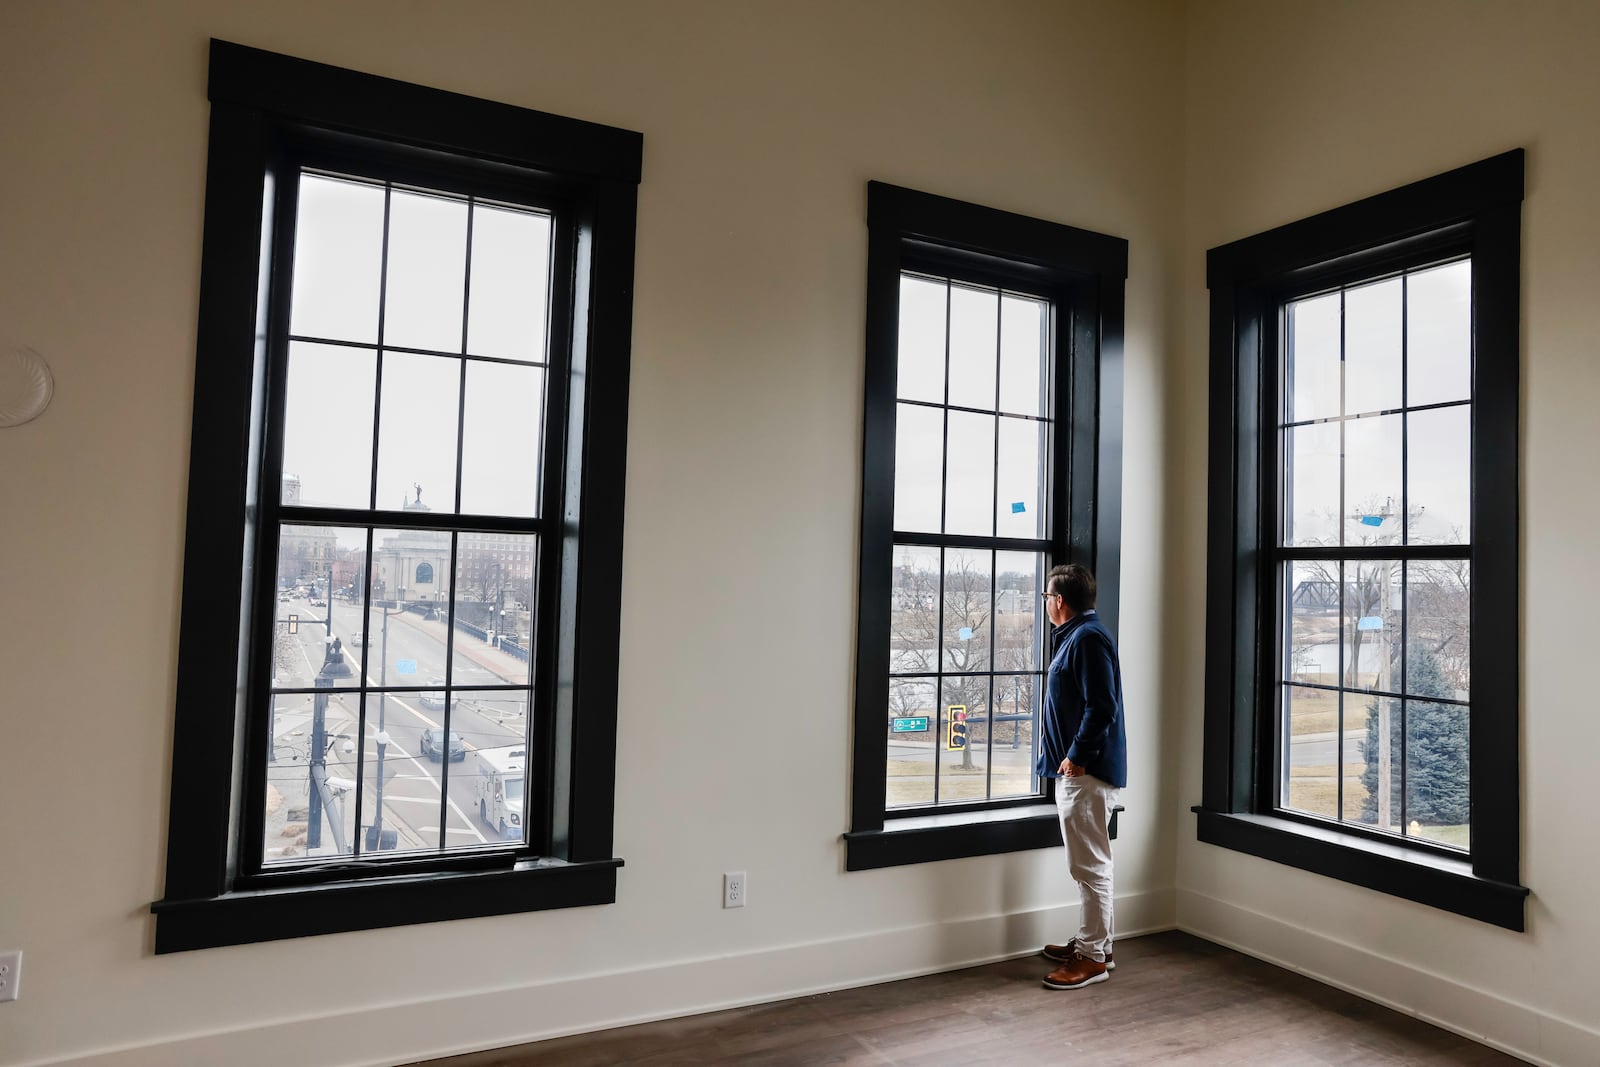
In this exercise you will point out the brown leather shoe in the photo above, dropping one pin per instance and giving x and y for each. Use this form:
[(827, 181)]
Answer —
[(1065, 953), (1076, 973)]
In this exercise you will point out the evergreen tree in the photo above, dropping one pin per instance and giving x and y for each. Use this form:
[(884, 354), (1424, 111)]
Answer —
[(1436, 749)]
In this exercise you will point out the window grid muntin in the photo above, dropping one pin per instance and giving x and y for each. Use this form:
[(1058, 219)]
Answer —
[(1283, 556), (276, 515), (993, 543)]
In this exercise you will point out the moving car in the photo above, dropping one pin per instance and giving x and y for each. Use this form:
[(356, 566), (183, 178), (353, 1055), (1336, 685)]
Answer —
[(434, 745), (434, 698)]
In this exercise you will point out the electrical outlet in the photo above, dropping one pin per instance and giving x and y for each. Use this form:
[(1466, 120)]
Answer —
[(734, 889), (11, 974)]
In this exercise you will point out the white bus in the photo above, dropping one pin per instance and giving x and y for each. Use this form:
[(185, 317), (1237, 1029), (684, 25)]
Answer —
[(500, 791)]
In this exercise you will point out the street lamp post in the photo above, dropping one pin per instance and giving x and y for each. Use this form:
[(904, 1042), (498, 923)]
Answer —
[(376, 839), (320, 798)]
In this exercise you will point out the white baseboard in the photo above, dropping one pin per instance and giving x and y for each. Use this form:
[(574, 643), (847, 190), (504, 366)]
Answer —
[(407, 1032), (1518, 1029)]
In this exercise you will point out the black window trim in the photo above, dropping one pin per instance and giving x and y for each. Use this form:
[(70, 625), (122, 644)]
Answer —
[(1473, 210), (1084, 275), (263, 105)]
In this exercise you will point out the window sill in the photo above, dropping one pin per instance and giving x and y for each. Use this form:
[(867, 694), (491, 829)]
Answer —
[(927, 838), (1438, 881), (246, 917)]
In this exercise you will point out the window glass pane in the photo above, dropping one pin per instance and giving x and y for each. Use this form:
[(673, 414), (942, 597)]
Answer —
[(1313, 363), (1311, 720), (410, 592), (296, 827), (1311, 485), (401, 789), (1439, 628), (1379, 718), (1023, 382), (1015, 731), (1012, 755), (1438, 774), (315, 635), (913, 740), (918, 468), (1373, 598), (1439, 334), (1019, 509), (968, 607), (1372, 361), (327, 425), (922, 320), (510, 279), (1312, 655), (338, 255), (969, 474), (493, 616), (914, 611), (963, 769), (427, 271), (417, 427), (974, 335), (1018, 610), (1439, 473), (500, 440), (1372, 477), (488, 783)]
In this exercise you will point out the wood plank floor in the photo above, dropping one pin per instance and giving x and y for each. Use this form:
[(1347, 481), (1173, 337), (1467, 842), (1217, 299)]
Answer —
[(1174, 999)]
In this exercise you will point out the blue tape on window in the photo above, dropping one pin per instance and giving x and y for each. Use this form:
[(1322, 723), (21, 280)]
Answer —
[(1370, 622), (1372, 520), (1018, 507), (966, 633)]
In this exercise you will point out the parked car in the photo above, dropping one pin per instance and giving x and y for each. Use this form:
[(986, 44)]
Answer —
[(434, 745), (361, 639)]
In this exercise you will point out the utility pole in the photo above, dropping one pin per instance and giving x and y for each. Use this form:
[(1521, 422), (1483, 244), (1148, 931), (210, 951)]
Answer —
[(377, 839), (1386, 684)]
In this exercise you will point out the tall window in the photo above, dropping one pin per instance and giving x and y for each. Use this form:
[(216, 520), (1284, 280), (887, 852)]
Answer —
[(416, 355), (1362, 685), (985, 332), (1375, 544), (404, 528), (972, 452)]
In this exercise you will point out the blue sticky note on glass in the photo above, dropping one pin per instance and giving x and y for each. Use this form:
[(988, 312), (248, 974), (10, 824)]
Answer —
[(1372, 520), (1018, 507), (406, 666), (1370, 622), (966, 633)]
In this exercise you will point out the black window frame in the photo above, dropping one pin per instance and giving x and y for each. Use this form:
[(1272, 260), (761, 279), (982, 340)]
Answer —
[(1471, 211), (1083, 274), (270, 114)]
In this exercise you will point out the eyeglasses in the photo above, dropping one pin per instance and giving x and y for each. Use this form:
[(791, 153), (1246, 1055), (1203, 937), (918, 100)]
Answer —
[(1047, 596)]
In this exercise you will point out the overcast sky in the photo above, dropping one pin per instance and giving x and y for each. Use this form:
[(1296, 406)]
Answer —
[(338, 278)]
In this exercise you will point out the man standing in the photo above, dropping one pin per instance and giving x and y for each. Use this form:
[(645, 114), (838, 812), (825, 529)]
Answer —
[(1084, 749)]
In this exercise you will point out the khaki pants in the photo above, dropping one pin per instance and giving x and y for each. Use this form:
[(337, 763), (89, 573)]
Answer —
[(1084, 805)]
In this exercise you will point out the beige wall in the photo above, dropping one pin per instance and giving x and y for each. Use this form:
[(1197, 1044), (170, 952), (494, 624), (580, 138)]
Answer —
[(762, 124), (1295, 108)]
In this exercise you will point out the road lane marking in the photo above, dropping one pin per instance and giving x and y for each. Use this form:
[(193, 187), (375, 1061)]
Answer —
[(436, 784)]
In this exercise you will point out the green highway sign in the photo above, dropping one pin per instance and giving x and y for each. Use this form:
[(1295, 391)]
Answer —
[(911, 725)]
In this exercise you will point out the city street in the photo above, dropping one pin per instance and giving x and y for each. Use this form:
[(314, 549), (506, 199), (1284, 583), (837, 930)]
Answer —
[(411, 653)]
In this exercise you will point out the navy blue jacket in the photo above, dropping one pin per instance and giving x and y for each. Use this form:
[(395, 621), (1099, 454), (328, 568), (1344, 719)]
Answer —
[(1083, 718)]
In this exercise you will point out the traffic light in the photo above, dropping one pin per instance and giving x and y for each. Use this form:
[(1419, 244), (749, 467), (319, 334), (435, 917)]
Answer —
[(955, 738)]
